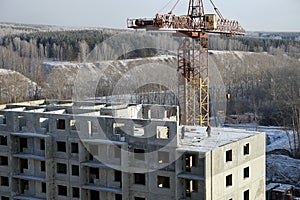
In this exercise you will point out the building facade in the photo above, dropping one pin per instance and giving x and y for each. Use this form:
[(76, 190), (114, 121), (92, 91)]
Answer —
[(89, 150)]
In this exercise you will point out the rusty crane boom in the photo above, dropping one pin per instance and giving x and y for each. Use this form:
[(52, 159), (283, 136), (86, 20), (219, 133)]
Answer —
[(193, 81)]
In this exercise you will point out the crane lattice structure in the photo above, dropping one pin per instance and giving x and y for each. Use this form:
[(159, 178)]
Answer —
[(193, 81)]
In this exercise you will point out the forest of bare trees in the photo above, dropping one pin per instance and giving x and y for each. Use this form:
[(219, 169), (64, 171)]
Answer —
[(266, 85)]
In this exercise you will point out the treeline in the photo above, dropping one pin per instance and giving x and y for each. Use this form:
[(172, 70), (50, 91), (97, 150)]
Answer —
[(269, 89), (56, 45), (276, 35), (74, 45), (26, 52), (242, 43)]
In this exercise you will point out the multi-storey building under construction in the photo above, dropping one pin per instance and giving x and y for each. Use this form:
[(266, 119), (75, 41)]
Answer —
[(90, 150)]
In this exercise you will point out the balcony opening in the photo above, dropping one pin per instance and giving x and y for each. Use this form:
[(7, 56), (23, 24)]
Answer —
[(163, 182), (139, 198), (190, 161), (94, 195), (74, 147), (61, 146), (43, 166), (3, 140), (162, 132), (2, 119), (140, 179), (44, 188), (92, 128), (75, 192), (246, 172), (62, 190), (229, 180), (94, 174), (118, 197), (228, 155), (24, 186), (23, 144), (23, 165), (44, 123), (91, 157), (22, 122), (246, 149), (163, 157), (4, 181), (42, 144), (61, 168), (118, 176), (61, 124), (74, 125), (75, 170), (118, 128), (139, 154), (246, 195), (138, 131), (3, 160), (190, 187)]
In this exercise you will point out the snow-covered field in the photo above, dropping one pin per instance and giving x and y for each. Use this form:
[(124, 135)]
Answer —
[(281, 168)]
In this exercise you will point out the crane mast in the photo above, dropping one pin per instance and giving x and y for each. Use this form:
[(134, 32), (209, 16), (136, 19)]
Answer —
[(193, 81)]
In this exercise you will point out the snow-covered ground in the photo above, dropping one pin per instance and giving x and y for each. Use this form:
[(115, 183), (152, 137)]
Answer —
[(283, 169), (279, 139), (15, 85)]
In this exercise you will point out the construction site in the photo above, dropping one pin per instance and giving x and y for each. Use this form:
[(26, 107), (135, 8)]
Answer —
[(88, 149)]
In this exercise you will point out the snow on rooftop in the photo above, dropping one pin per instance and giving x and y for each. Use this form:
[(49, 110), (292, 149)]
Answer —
[(195, 138)]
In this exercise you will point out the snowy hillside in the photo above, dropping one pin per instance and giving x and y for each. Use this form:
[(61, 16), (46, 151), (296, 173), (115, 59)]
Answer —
[(109, 77), (15, 86)]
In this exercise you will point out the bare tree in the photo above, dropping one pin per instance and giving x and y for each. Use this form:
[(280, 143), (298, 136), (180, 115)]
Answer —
[(83, 51)]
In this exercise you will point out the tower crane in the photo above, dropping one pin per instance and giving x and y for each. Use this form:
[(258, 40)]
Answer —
[(193, 81)]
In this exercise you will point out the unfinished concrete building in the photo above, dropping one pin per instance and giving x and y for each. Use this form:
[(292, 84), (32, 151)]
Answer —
[(89, 150)]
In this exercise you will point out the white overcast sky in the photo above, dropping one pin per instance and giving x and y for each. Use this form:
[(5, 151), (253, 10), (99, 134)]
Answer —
[(254, 15)]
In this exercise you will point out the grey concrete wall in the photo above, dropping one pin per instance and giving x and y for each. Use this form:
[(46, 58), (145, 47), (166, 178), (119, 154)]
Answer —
[(217, 169)]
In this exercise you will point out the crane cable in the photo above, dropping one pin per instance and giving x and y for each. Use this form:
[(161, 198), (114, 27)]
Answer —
[(217, 10), (174, 6), (169, 2), (164, 6)]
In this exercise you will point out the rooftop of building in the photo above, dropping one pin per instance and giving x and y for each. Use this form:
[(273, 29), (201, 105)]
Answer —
[(95, 108), (196, 138)]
